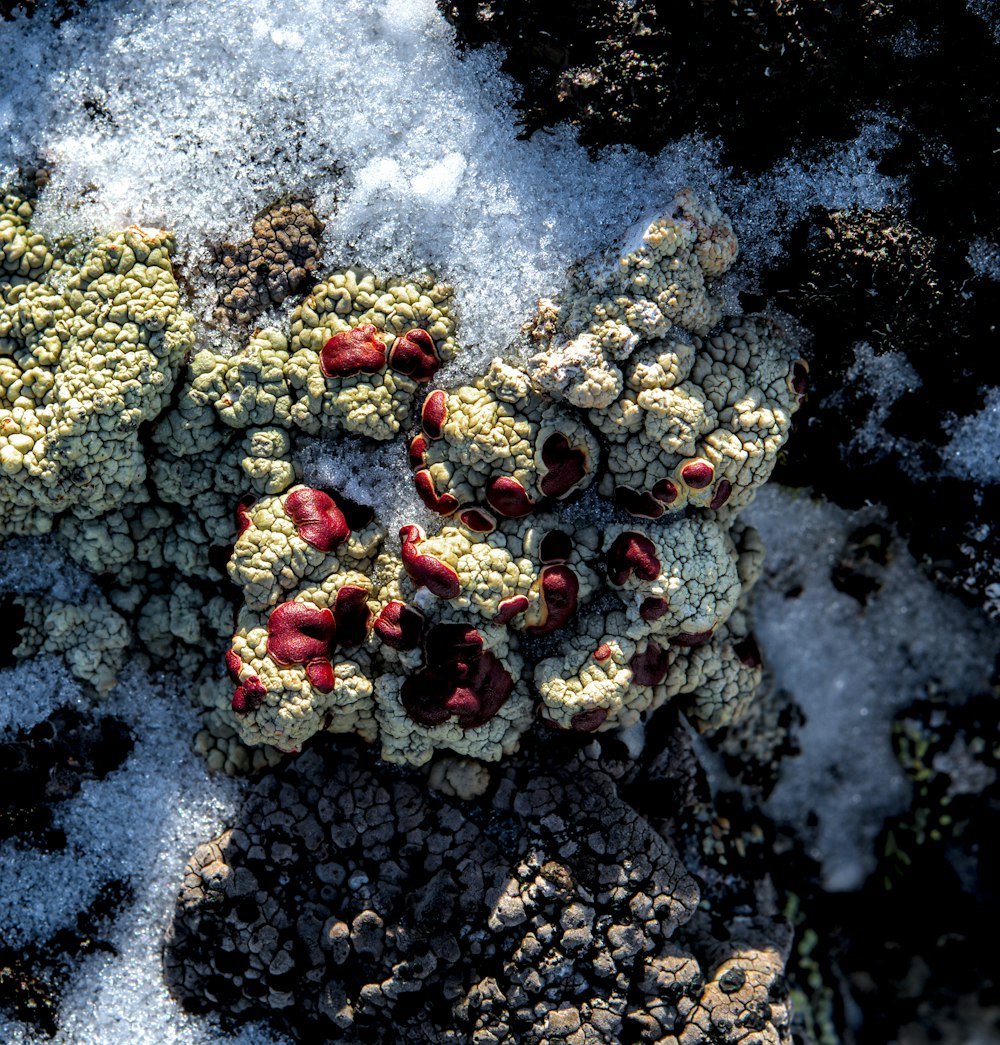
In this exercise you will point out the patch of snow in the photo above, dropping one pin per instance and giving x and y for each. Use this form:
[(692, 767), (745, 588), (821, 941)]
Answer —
[(887, 377), (973, 453), (838, 176), (374, 475), (851, 668), (984, 259), (139, 824)]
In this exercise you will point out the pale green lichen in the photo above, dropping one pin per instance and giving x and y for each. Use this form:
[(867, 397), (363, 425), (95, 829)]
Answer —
[(89, 352)]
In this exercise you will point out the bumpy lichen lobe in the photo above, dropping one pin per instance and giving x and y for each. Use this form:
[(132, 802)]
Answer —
[(638, 389)]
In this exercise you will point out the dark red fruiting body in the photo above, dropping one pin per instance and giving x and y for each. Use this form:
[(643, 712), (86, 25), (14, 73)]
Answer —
[(418, 448), (508, 497), (632, 551), (555, 546), (352, 615), (434, 413), (697, 474), (352, 352), (443, 504), (478, 520), (510, 608), (436, 576), (665, 491), (399, 625), (317, 518), (644, 504), (415, 355), (298, 633), (602, 652), (249, 695), (566, 465), (748, 652), (243, 520), (453, 645), (588, 721), (560, 590), (473, 692), (691, 638), (320, 674), (234, 664), (650, 667), (653, 608), (722, 492), (800, 378)]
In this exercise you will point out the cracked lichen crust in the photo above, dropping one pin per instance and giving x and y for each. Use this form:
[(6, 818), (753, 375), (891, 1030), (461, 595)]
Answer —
[(683, 632), (498, 445), (345, 902), (657, 282), (362, 345), (700, 423), (90, 347)]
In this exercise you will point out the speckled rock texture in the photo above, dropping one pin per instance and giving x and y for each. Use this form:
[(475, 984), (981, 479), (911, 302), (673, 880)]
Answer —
[(278, 260), (348, 903)]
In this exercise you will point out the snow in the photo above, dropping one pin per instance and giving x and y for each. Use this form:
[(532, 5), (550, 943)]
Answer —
[(139, 824), (974, 450), (984, 259), (888, 377), (851, 668)]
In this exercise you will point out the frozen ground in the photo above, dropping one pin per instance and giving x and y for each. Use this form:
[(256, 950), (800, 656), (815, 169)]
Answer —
[(196, 115)]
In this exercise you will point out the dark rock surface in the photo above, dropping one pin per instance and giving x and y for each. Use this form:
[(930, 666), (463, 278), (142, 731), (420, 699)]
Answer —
[(349, 903)]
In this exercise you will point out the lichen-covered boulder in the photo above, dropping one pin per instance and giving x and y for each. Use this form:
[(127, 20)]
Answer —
[(89, 352)]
